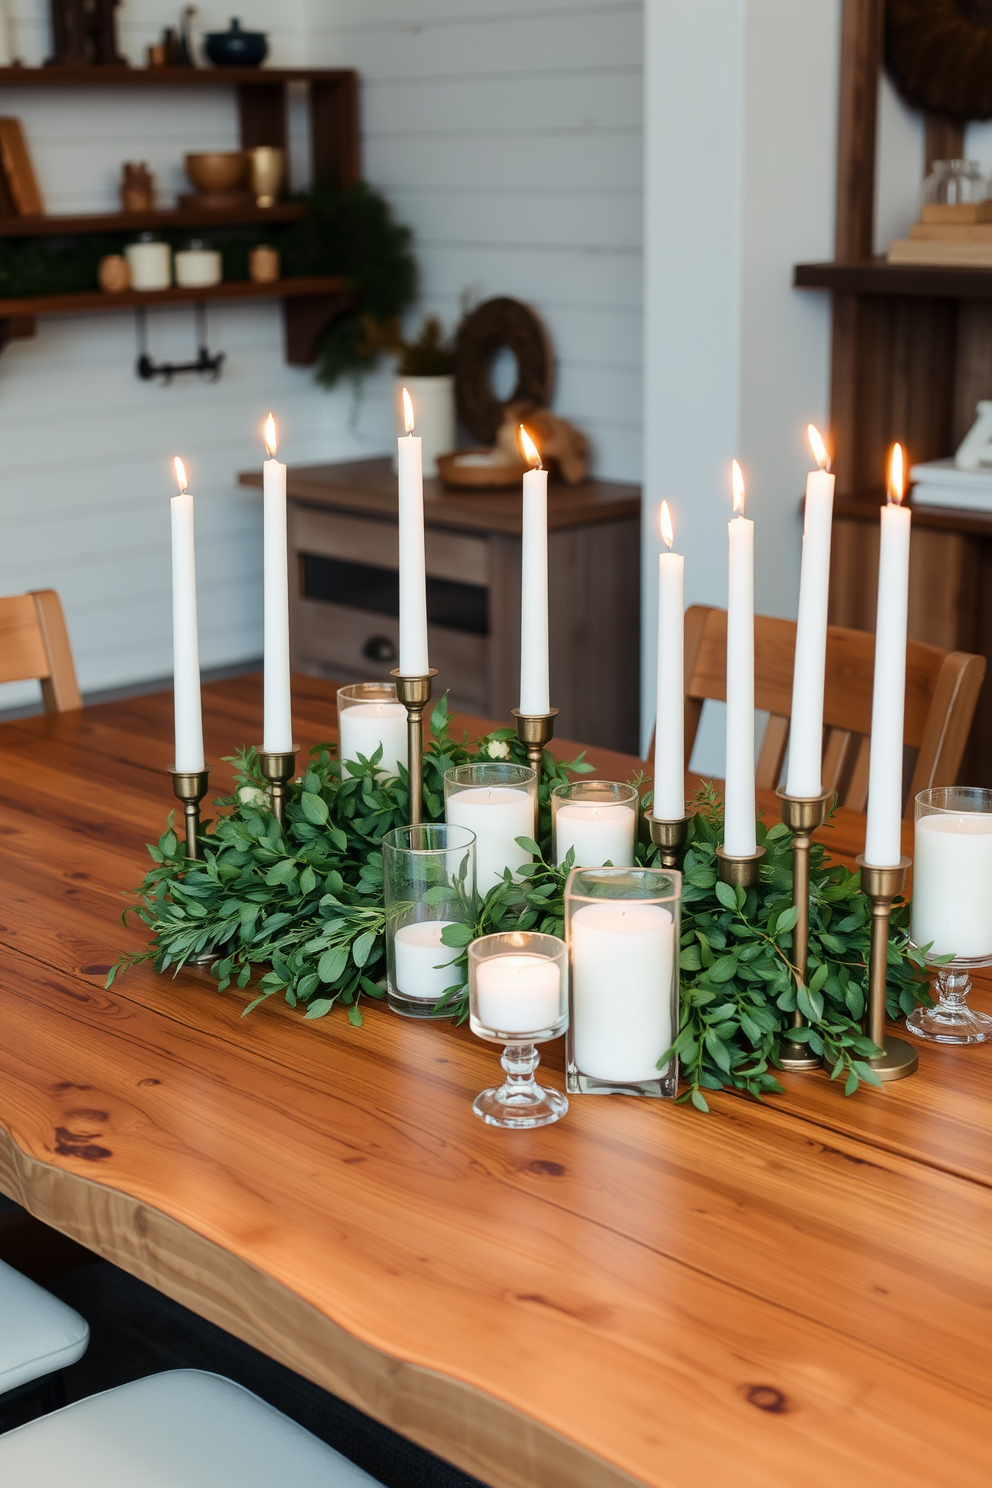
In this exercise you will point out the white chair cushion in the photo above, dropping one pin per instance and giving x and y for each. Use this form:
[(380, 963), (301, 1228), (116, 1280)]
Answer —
[(38, 1333), (183, 1429)]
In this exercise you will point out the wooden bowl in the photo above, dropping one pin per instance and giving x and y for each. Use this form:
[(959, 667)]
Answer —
[(478, 474), (216, 170)]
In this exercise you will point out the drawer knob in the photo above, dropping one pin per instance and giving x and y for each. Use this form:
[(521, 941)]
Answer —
[(379, 648)]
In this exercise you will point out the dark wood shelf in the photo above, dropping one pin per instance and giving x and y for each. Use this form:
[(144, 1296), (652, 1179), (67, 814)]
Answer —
[(96, 299), (876, 276), (159, 217), (863, 507), (166, 77)]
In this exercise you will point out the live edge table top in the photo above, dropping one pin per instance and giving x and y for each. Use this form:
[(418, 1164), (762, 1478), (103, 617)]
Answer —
[(794, 1293)]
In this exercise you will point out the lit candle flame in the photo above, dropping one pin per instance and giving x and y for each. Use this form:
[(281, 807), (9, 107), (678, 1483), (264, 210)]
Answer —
[(818, 447), (269, 435), (897, 477), (180, 475), (737, 485), (665, 523), (408, 419), (531, 452)]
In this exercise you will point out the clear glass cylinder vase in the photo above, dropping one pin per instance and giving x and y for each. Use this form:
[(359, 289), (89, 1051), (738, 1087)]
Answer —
[(596, 820), (498, 802), (369, 718), (428, 884)]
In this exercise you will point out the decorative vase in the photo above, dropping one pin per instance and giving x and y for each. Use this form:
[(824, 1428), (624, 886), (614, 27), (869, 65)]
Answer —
[(236, 48), (434, 415)]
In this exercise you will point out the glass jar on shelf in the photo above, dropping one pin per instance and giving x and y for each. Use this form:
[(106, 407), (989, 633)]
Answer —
[(954, 183)]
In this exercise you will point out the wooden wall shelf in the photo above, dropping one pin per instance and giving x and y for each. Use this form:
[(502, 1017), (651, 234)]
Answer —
[(876, 276), (158, 218), (167, 77)]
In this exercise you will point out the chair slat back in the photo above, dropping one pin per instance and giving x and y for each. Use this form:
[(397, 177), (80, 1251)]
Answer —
[(34, 644)]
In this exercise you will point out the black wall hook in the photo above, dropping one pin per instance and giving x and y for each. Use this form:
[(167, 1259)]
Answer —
[(206, 365)]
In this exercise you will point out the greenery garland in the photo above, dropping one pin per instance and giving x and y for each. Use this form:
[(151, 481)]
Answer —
[(297, 909)]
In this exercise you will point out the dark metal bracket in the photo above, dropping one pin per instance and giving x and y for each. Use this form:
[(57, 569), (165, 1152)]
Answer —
[(206, 365)]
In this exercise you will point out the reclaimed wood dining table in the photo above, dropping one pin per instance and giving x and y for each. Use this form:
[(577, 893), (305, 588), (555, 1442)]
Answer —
[(793, 1292)]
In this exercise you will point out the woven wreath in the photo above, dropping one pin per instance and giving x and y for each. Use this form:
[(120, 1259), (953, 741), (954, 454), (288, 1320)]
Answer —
[(939, 53)]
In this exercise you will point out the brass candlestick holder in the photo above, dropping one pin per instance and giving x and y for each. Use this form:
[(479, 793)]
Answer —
[(278, 767), (670, 836), (802, 815), (739, 872), (534, 730), (882, 885), (190, 787), (415, 693)]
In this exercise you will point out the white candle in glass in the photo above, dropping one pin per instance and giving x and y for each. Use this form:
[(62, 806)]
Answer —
[(883, 841), (535, 685), (498, 815), (423, 965), (364, 726), (952, 883), (518, 994), (739, 805), (413, 659), (804, 774), (623, 964), (599, 831), (277, 728), (185, 641), (669, 731)]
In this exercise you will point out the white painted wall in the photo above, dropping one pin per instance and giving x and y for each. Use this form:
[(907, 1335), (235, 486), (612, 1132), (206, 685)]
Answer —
[(740, 146)]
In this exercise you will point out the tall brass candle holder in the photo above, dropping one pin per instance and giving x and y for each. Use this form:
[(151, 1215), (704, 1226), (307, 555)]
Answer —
[(190, 787), (899, 1058), (415, 693), (278, 767), (802, 815), (534, 730), (670, 836), (739, 872)]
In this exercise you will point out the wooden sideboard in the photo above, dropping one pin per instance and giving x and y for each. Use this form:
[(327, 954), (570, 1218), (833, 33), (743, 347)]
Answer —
[(344, 591)]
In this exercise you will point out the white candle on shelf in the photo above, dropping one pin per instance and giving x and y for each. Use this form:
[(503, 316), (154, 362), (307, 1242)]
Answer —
[(498, 815), (804, 776), (423, 964), (599, 831), (669, 731), (414, 661), (185, 641), (364, 726), (739, 806), (883, 841), (535, 685), (622, 956), (277, 729), (518, 994), (952, 883)]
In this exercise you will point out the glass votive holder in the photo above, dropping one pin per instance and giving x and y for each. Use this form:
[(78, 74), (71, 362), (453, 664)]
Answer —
[(597, 820), (369, 715), (951, 909), (622, 930), (428, 884), (498, 802), (517, 987)]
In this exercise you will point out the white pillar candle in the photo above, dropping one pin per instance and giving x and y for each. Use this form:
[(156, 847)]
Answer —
[(623, 961), (739, 806), (518, 994), (883, 841), (600, 832), (413, 658), (535, 685), (669, 730), (804, 774), (498, 815), (364, 726), (277, 728), (952, 883), (423, 965), (185, 641)]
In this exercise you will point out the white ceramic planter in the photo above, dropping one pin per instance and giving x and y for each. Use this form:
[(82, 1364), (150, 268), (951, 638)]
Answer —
[(434, 411)]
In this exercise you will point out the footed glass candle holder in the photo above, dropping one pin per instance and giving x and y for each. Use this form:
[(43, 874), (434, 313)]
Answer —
[(370, 716), (428, 884), (596, 820), (622, 930), (517, 983), (499, 804), (952, 907)]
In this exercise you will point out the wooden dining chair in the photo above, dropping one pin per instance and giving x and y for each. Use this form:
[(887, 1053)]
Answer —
[(34, 643), (942, 690)]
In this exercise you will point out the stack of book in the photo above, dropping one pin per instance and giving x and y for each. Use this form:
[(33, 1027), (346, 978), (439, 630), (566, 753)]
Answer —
[(942, 483), (954, 236)]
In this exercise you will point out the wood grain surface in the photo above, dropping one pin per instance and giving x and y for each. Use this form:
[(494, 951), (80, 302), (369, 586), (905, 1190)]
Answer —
[(773, 1295)]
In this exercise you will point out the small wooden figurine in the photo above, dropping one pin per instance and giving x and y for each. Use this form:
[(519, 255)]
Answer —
[(137, 187), (84, 34)]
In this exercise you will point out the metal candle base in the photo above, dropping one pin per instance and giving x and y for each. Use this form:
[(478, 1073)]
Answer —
[(802, 815), (415, 693), (278, 767), (534, 730), (739, 872), (670, 836), (882, 885), (190, 787)]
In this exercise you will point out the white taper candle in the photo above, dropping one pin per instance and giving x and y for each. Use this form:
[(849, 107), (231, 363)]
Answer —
[(185, 641), (535, 683), (414, 659), (883, 841), (804, 775), (739, 804), (277, 728), (669, 729)]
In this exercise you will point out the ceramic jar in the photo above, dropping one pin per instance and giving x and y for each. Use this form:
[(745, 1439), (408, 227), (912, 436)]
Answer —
[(150, 263), (197, 266)]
